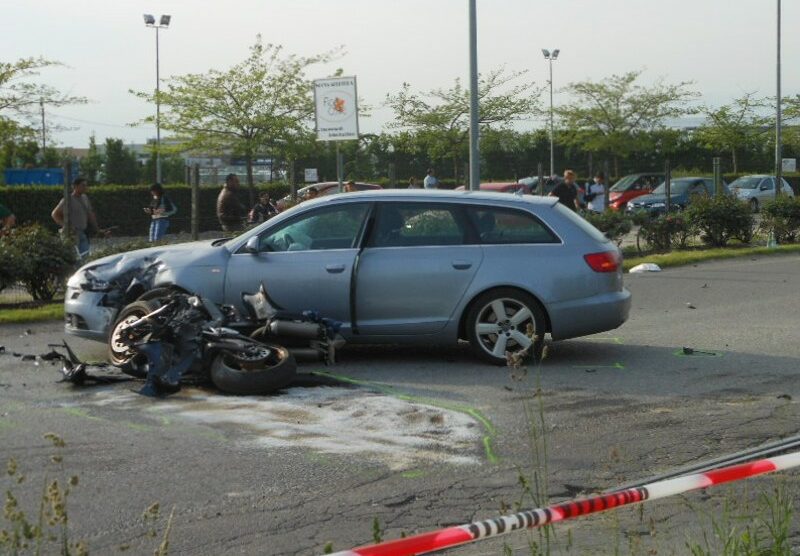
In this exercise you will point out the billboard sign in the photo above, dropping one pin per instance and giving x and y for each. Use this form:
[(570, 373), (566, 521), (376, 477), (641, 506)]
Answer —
[(789, 164), (311, 175), (336, 109)]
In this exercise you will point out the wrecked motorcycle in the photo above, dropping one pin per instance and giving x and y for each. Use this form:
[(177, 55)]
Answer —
[(181, 334)]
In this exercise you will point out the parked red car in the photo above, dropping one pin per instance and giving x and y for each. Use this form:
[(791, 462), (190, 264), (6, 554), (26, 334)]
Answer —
[(324, 188), (632, 186)]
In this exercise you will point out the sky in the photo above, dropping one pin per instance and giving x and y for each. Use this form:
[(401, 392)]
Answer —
[(726, 47)]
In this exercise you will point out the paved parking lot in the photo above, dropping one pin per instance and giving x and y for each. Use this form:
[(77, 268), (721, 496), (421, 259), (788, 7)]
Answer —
[(419, 438)]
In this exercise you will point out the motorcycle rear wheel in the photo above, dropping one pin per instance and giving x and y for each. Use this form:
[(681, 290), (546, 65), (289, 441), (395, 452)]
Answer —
[(261, 372)]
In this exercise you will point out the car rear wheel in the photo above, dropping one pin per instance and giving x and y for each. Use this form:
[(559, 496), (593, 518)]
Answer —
[(119, 354), (754, 205), (503, 321)]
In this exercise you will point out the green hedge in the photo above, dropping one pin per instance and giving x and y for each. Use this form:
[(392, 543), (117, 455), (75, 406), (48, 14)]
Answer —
[(121, 205)]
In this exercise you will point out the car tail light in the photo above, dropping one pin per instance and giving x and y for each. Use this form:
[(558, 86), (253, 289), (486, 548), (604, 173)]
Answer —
[(607, 261)]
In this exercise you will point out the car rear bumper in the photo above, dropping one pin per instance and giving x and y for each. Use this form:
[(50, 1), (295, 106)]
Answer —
[(589, 315), (85, 316)]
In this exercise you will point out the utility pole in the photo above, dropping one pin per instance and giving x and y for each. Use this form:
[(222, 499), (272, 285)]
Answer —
[(550, 56), (44, 129)]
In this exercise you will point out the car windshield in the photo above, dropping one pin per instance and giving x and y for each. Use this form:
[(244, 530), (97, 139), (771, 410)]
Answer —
[(746, 183), (623, 184), (677, 187)]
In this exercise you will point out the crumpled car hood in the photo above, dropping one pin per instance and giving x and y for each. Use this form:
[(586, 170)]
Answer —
[(115, 268)]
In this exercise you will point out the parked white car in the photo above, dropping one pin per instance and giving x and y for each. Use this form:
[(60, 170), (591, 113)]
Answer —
[(758, 190)]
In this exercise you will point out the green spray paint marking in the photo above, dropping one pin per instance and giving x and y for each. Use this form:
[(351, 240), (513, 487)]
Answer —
[(391, 391), (413, 474), (616, 365), (80, 412), (696, 353)]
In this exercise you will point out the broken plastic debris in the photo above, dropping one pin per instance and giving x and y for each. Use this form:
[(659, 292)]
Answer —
[(645, 267)]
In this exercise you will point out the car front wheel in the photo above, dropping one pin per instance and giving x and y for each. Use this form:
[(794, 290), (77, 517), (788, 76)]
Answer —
[(503, 321), (754, 205)]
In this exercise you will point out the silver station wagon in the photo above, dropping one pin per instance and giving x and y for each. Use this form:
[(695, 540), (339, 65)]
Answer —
[(422, 267)]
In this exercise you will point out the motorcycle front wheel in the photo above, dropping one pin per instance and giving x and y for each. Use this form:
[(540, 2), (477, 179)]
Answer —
[(259, 369)]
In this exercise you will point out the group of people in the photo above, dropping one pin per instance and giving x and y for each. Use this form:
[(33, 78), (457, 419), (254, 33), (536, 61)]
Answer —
[(594, 196), (429, 182)]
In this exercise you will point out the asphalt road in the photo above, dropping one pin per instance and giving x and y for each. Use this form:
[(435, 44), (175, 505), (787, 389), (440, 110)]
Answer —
[(420, 438)]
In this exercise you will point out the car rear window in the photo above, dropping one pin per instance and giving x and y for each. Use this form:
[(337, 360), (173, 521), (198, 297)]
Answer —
[(578, 220), (507, 226)]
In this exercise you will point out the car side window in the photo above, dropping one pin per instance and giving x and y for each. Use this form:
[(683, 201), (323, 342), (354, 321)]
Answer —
[(499, 226), (324, 228), (767, 184), (698, 188), (417, 224)]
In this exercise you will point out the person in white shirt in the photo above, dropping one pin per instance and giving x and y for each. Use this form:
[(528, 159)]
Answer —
[(430, 181), (596, 193)]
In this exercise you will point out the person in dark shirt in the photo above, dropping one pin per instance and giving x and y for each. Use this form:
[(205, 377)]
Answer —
[(263, 210), (230, 211), (567, 192)]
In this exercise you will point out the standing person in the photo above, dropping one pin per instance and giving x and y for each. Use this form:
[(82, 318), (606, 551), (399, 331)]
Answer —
[(7, 218), (263, 210), (230, 211), (596, 193), (430, 181), (311, 193), (81, 215), (567, 192), (412, 183), (160, 209), (350, 187)]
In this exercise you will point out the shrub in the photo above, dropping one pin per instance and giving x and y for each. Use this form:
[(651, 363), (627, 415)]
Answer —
[(782, 218), (7, 266), (41, 260), (663, 232), (615, 225), (720, 219)]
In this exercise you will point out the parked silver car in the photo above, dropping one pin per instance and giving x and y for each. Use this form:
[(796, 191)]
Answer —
[(758, 190), (393, 266)]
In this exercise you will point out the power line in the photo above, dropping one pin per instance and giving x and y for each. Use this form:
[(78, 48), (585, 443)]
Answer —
[(90, 122)]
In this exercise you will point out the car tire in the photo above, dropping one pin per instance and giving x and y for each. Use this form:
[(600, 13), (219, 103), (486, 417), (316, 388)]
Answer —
[(754, 205), (122, 356), (234, 375), (491, 335)]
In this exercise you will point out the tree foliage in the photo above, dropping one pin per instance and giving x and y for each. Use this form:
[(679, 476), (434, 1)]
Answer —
[(121, 165), (615, 116), (20, 95), (734, 126), (264, 100), (440, 117)]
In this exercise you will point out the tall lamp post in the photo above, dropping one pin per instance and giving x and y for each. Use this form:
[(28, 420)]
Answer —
[(551, 56), (778, 116), (474, 151), (163, 23)]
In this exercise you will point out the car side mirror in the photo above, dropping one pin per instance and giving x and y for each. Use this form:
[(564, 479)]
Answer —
[(763, 187), (252, 245)]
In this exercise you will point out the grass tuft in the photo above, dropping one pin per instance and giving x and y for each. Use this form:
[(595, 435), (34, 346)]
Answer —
[(680, 258)]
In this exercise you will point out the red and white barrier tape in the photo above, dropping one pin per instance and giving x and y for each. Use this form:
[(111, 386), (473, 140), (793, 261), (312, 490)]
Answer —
[(463, 534)]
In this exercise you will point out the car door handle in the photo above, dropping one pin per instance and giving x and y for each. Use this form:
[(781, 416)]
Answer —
[(461, 265), (335, 268)]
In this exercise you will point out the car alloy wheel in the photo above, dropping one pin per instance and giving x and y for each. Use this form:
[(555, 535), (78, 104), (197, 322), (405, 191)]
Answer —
[(505, 320)]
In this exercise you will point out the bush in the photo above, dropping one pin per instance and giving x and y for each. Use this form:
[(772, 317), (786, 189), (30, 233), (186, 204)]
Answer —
[(782, 218), (663, 232), (40, 260), (614, 224), (720, 219), (7, 266)]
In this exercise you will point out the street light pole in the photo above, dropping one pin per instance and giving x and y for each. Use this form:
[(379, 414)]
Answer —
[(474, 153), (550, 57), (778, 142), (150, 21)]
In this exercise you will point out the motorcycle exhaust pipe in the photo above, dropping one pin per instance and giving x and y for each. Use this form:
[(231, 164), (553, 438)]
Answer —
[(306, 354), (308, 330)]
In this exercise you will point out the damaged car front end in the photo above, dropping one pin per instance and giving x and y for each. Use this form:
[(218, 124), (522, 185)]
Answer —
[(97, 292)]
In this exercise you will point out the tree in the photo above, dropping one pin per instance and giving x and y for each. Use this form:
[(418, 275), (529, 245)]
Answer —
[(20, 97), (265, 99), (615, 115), (440, 118), (121, 165), (92, 163), (734, 126), (173, 169)]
